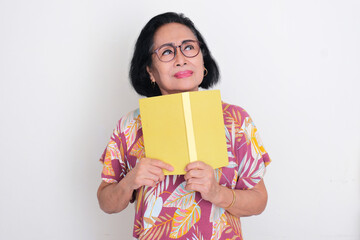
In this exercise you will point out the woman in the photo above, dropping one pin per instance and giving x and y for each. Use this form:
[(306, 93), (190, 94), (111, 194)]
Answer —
[(170, 57)]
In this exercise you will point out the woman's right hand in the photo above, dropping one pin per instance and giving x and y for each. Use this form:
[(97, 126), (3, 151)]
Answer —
[(147, 172), (114, 197)]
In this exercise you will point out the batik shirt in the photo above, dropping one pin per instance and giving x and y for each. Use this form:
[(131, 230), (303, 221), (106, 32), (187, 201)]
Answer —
[(168, 210)]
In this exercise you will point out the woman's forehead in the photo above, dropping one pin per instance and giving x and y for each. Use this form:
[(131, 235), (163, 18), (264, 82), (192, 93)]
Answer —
[(173, 33)]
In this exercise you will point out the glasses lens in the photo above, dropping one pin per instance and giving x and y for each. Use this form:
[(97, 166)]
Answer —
[(166, 53), (190, 48)]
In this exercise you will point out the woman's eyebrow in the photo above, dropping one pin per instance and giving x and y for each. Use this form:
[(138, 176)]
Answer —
[(189, 40), (173, 44)]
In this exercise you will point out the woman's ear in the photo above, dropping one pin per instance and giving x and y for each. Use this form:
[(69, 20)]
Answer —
[(150, 74)]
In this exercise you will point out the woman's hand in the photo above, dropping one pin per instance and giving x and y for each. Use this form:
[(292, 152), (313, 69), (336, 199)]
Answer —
[(114, 197), (147, 172), (200, 177)]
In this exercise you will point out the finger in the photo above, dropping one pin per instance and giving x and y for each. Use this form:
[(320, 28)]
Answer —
[(149, 183), (158, 172), (194, 174), (162, 165), (152, 177), (198, 181), (154, 170), (143, 181), (195, 165), (146, 164), (148, 171)]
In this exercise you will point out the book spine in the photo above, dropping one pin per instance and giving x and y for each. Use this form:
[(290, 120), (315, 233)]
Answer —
[(189, 127)]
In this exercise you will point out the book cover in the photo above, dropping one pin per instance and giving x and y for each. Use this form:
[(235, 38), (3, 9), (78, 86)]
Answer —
[(184, 127)]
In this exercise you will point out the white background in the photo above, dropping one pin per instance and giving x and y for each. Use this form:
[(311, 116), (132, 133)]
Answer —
[(293, 65)]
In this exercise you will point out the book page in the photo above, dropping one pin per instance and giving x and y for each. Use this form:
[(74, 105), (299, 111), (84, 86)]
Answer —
[(164, 131), (209, 128)]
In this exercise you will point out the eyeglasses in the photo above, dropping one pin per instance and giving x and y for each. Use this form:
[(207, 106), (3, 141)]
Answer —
[(167, 52)]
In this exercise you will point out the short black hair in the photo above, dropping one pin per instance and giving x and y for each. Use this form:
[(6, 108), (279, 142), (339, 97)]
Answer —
[(140, 78)]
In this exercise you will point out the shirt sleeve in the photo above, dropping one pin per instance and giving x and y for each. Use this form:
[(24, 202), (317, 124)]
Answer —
[(250, 153), (113, 158)]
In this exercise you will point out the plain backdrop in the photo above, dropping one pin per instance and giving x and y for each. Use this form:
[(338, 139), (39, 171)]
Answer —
[(293, 65)]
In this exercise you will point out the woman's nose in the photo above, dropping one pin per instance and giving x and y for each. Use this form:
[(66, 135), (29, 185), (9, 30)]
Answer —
[(180, 59)]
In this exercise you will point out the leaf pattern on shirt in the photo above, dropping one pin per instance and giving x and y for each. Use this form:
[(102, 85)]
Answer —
[(139, 198), (235, 178), (152, 211), (155, 192), (131, 129), (138, 149), (197, 234), (184, 219), (180, 198), (161, 228), (216, 213), (232, 120), (219, 225), (235, 225), (230, 144), (113, 153), (218, 174)]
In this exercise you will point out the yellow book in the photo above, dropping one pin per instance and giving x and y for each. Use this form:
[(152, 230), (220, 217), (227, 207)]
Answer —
[(184, 127)]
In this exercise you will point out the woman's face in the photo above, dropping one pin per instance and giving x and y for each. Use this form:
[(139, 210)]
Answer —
[(181, 74)]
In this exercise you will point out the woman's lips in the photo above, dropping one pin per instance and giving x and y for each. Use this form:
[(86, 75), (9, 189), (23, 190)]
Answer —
[(183, 74)]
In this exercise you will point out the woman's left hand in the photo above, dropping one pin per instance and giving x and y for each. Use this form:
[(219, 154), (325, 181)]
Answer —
[(200, 177)]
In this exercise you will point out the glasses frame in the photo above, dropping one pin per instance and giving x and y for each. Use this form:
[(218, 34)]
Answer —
[(175, 49)]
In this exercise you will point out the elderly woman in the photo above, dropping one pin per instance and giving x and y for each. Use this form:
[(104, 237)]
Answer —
[(171, 56)]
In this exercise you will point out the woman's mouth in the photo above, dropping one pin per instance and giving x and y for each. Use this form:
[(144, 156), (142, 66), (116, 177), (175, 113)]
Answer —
[(183, 74)]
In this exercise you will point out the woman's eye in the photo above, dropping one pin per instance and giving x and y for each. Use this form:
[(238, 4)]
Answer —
[(167, 52), (189, 47)]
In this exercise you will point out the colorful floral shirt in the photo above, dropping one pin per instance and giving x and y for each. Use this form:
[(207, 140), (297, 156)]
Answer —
[(168, 211)]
